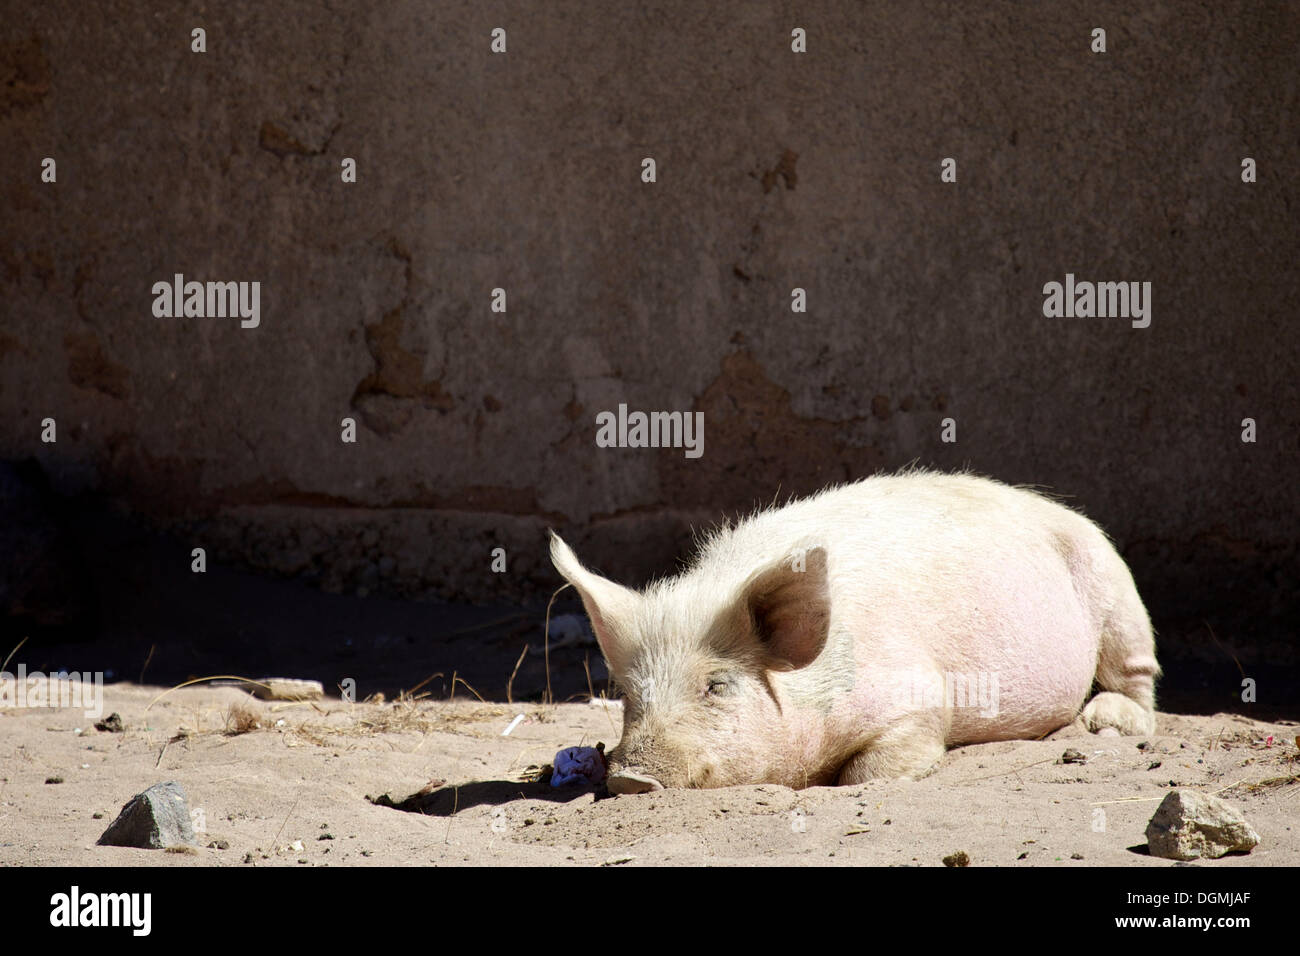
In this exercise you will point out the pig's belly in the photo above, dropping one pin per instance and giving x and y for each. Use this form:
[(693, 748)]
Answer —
[(1012, 659), (1031, 698)]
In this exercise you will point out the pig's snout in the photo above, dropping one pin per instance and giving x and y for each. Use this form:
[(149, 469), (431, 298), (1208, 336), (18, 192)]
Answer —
[(633, 767), (628, 781)]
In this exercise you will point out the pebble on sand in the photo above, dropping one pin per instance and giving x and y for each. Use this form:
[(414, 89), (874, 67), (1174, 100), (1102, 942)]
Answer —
[(1189, 825), (153, 820)]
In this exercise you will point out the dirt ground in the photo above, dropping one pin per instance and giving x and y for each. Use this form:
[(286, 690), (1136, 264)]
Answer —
[(296, 791)]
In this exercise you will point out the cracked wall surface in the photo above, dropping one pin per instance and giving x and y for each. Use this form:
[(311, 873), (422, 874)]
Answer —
[(775, 171)]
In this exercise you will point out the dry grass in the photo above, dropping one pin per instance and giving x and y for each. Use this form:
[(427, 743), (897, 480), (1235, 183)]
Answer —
[(1272, 783), (405, 715), (11, 654), (510, 684), (241, 719), (416, 715)]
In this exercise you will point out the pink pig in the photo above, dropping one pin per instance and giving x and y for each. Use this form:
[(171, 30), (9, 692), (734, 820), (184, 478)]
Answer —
[(862, 631)]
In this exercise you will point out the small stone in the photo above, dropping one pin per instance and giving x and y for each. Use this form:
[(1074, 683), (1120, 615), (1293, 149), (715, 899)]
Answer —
[(960, 858), (157, 818), (54, 780), (1190, 825), (219, 845), (1073, 756), (112, 724)]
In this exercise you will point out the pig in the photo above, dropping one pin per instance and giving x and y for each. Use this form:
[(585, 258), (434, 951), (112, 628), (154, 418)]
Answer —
[(860, 632)]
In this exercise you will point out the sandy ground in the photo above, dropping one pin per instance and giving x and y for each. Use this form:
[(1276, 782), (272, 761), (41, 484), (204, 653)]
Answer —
[(304, 777)]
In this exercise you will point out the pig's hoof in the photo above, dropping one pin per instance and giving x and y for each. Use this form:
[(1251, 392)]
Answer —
[(624, 781), (1122, 713)]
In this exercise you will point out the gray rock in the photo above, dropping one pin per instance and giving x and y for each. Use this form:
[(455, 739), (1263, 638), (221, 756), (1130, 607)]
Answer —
[(153, 820), (1188, 825)]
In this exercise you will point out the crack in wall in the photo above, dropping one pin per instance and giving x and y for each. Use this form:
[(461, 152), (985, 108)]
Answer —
[(389, 396)]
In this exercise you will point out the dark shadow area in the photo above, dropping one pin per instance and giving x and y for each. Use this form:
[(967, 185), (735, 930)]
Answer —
[(1225, 613), (1197, 686), (93, 590), (448, 801), (1141, 849)]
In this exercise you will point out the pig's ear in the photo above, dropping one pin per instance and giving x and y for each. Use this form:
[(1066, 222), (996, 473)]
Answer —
[(789, 607), (611, 607)]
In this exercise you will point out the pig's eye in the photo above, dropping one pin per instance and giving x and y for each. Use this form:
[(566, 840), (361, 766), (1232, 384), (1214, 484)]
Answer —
[(718, 687)]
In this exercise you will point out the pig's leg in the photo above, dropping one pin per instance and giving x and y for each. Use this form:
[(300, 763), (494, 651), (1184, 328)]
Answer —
[(909, 748), (1126, 665)]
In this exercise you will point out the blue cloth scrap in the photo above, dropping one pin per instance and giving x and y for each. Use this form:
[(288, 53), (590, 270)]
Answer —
[(578, 765)]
